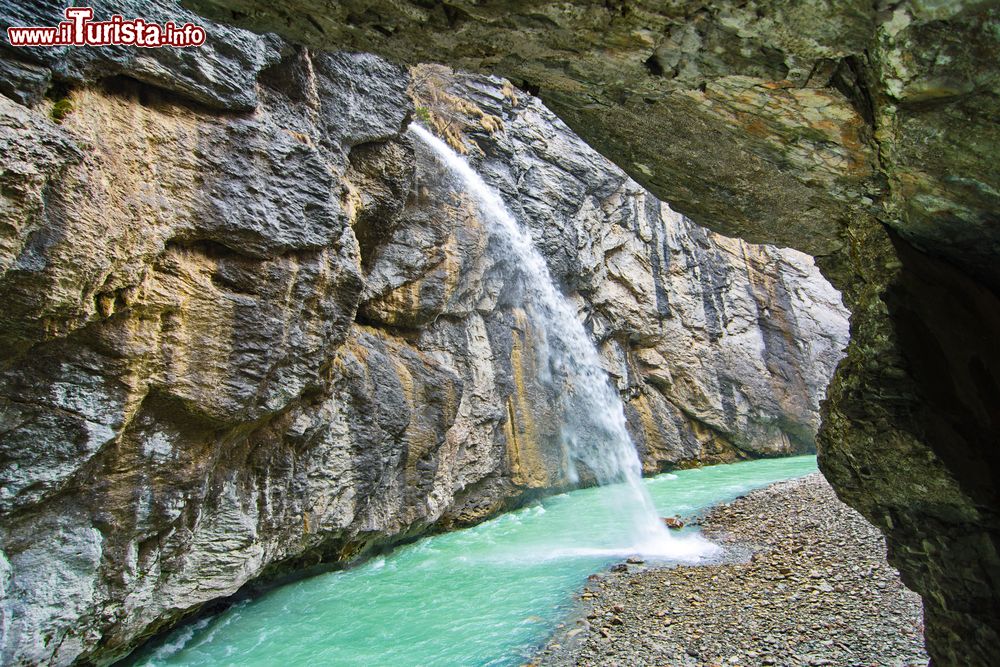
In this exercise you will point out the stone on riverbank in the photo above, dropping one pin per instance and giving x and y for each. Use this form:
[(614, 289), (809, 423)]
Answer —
[(815, 590)]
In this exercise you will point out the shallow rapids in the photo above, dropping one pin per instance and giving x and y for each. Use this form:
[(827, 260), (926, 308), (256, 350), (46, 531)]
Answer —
[(487, 595)]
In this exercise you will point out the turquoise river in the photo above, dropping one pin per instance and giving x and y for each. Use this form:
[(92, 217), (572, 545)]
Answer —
[(487, 595)]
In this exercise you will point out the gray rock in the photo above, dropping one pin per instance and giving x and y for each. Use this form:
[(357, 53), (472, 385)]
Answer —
[(862, 133), (222, 73), (178, 284), (721, 349), (237, 345)]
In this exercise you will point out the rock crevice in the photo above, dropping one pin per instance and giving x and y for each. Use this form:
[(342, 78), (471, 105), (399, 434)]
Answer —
[(254, 326)]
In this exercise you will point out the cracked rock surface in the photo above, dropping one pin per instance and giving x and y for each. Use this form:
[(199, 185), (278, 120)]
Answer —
[(250, 327)]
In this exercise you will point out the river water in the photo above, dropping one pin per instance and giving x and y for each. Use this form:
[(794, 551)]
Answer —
[(487, 595)]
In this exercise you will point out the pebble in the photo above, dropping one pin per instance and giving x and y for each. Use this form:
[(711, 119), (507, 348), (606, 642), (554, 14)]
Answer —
[(806, 582)]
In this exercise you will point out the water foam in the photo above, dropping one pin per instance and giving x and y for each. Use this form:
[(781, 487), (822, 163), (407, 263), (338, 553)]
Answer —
[(594, 429)]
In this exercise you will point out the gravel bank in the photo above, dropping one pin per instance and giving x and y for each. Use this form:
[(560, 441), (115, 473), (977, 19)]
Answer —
[(813, 588)]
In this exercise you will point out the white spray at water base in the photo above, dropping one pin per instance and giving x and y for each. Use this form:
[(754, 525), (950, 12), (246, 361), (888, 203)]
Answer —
[(594, 430)]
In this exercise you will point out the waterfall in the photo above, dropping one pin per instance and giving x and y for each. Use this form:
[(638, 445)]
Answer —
[(594, 430)]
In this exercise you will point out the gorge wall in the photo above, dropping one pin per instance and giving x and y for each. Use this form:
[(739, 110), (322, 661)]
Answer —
[(863, 133), (251, 326), (709, 339)]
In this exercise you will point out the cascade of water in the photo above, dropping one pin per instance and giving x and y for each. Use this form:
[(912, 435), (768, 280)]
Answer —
[(594, 419)]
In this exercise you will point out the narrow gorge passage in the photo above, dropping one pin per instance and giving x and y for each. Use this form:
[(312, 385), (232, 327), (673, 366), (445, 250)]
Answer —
[(488, 595), (865, 134), (253, 326), (261, 326), (492, 594)]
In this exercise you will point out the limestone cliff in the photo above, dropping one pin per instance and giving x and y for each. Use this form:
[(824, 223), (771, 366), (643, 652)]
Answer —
[(863, 133), (250, 326), (721, 349)]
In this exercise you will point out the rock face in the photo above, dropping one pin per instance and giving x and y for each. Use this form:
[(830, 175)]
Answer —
[(236, 56), (862, 133), (180, 285), (721, 349), (251, 326)]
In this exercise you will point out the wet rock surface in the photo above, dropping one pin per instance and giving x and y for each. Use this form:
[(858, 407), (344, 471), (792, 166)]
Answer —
[(730, 366), (862, 133), (804, 582), (241, 341)]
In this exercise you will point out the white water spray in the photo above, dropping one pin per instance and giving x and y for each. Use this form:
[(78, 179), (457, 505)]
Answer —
[(594, 418)]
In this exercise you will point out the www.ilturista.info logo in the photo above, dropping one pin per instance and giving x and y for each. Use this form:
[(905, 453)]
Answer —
[(79, 30)]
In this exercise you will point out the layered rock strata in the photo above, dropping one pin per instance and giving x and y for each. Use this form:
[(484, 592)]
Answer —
[(862, 133), (721, 349), (251, 326)]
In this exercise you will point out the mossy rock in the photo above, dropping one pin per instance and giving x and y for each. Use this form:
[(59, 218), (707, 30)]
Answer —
[(61, 109)]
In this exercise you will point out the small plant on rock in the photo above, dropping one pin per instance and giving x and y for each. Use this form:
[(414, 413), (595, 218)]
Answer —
[(447, 114), (62, 108)]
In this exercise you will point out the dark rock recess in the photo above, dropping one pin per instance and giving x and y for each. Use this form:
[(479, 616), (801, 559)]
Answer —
[(250, 326)]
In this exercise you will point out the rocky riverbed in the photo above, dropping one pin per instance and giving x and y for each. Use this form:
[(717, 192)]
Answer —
[(805, 582)]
